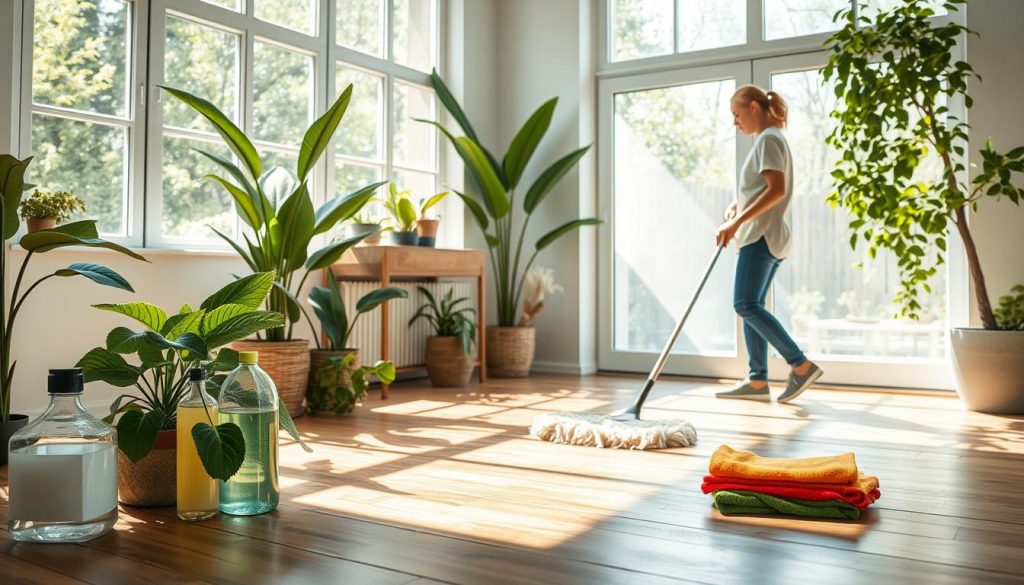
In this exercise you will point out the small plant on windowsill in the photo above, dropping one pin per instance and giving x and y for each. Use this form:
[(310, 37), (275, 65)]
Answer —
[(365, 224), (402, 216), (44, 210), (427, 224), (448, 351)]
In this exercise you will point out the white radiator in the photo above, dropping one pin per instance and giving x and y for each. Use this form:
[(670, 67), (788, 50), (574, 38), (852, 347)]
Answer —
[(408, 344)]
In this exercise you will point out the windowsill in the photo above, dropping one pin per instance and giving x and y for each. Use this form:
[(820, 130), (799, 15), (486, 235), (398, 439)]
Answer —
[(143, 251)]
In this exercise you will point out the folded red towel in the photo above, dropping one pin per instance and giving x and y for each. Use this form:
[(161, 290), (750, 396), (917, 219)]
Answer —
[(860, 494)]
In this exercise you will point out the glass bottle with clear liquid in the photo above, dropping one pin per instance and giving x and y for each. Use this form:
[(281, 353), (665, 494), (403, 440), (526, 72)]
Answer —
[(249, 399), (198, 493), (63, 470)]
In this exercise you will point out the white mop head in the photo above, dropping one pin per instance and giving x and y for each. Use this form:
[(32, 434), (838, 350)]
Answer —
[(595, 430)]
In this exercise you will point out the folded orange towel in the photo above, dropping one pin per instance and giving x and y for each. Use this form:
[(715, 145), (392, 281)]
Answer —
[(833, 469)]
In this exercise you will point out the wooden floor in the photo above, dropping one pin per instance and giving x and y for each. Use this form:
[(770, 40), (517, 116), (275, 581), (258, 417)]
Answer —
[(444, 486)]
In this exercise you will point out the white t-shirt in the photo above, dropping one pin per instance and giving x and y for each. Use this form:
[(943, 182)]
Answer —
[(770, 153)]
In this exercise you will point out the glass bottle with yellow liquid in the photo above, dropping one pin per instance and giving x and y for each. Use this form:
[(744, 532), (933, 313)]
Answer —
[(198, 496), (249, 399)]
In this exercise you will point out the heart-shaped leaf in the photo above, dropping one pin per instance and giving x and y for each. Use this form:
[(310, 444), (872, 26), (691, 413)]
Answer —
[(136, 432), (221, 448), (102, 364)]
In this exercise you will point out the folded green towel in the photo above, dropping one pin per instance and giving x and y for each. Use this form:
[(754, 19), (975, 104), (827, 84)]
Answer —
[(731, 502)]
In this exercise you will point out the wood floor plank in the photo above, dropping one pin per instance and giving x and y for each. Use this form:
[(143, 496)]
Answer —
[(445, 486)]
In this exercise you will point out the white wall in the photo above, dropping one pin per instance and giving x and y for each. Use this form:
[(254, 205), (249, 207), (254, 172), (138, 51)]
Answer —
[(998, 112)]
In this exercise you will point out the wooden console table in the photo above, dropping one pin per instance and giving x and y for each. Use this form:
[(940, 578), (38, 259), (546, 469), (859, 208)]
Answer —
[(387, 263)]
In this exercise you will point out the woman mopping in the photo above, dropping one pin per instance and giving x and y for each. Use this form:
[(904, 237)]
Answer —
[(757, 221)]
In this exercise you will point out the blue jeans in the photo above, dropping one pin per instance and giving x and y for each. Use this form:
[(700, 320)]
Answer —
[(754, 272)]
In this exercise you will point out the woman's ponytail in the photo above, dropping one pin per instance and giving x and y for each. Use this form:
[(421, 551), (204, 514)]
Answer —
[(778, 109), (772, 103)]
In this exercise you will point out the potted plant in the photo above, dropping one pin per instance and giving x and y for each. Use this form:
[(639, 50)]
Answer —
[(276, 205), (448, 351), (329, 307), (426, 227), (79, 233), (45, 209), (341, 383), (399, 206), (894, 79), (163, 351), (509, 348), (366, 225)]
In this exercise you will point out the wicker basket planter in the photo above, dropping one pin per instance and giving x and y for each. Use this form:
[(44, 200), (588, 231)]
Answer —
[(287, 364), (447, 364), (152, 480), (317, 357), (510, 351)]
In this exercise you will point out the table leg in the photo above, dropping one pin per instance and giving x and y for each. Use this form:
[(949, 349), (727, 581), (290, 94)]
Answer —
[(385, 328), (481, 329)]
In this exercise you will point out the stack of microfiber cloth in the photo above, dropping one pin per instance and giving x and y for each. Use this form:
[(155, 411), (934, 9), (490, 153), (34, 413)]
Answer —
[(832, 487)]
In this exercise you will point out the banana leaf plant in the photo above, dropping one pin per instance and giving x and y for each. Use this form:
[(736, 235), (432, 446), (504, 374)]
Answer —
[(498, 184), (278, 208), (79, 233), (164, 351)]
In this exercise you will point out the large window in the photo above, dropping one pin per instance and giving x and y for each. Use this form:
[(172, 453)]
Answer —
[(99, 126), (671, 159)]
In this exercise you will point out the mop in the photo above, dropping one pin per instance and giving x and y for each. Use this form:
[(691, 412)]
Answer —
[(624, 429)]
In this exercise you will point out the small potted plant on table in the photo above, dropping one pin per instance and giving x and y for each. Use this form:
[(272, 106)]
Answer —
[(403, 216), (449, 362), (426, 228), (44, 210)]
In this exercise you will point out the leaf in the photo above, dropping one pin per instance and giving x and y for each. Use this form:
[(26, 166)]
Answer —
[(221, 449), (289, 425), (297, 221), (12, 187), (98, 274), (432, 202), (148, 314), (137, 431), (242, 326), (235, 138), (406, 213), (330, 310), (124, 340), (374, 299), (343, 208), (243, 202), (329, 254), (221, 314), (476, 210), (563, 229), (494, 195), (249, 291), (46, 240), (293, 308), (550, 177), (452, 105), (526, 140), (248, 259), (318, 136), (277, 183), (188, 322), (189, 342)]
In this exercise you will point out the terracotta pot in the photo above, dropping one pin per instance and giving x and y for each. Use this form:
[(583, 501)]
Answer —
[(316, 401), (287, 364), (989, 369), (34, 224), (510, 351), (151, 481), (426, 229), (404, 238), (8, 428), (447, 364)]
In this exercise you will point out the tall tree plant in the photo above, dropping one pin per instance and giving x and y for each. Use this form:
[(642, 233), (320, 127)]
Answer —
[(79, 233), (895, 76), (278, 208), (498, 184)]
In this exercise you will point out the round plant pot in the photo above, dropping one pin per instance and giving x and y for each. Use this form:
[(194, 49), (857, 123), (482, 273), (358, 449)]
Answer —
[(150, 481), (358, 229), (404, 238), (510, 351), (989, 369), (318, 400), (8, 428), (426, 229), (287, 364), (447, 364), (34, 224)]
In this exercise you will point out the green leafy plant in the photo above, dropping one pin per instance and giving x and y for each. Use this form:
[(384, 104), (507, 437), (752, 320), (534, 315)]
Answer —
[(60, 205), (402, 212), (329, 307), (446, 320), (79, 233), (1010, 312), (895, 76), (497, 184), (429, 202), (278, 208), (164, 351), (342, 384), (365, 218)]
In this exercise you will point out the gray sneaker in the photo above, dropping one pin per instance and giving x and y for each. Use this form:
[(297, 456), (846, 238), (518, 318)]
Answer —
[(744, 391), (797, 384)]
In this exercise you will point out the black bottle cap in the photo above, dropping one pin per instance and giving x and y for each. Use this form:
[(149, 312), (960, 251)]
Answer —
[(197, 374), (66, 381)]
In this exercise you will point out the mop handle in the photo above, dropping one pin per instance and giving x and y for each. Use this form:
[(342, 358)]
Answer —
[(663, 359)]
